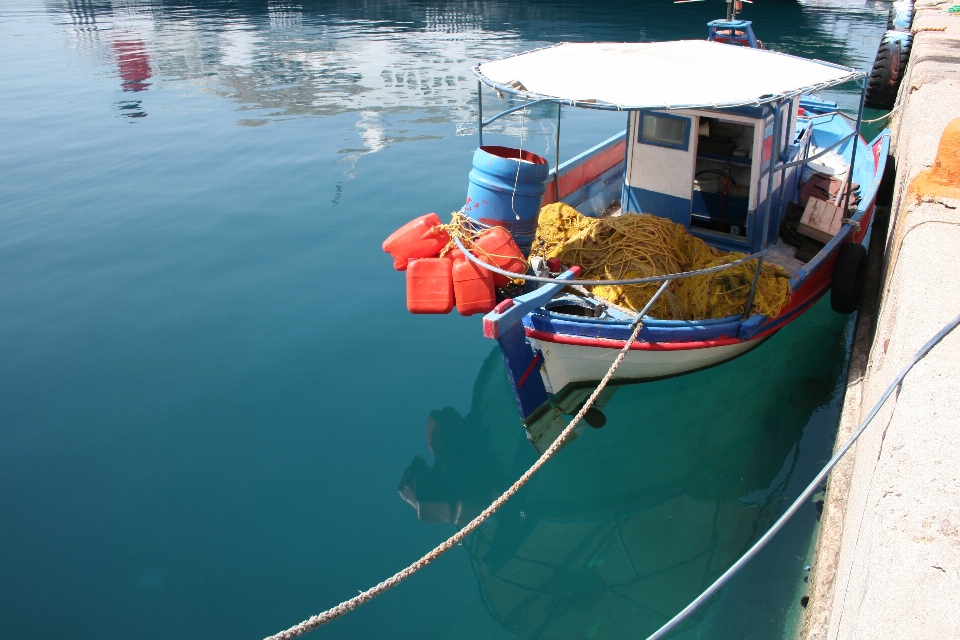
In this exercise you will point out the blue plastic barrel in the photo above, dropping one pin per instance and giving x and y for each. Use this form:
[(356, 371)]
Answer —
[(505, 190)]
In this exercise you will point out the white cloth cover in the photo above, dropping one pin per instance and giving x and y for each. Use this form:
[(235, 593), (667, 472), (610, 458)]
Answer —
[(684, 73)]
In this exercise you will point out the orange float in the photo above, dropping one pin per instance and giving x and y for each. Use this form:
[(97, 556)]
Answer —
[(473, 288), (496, 246), (430, 285), (422, 237)]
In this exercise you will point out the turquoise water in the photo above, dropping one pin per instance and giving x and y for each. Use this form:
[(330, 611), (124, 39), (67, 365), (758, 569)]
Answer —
[(210, 389)]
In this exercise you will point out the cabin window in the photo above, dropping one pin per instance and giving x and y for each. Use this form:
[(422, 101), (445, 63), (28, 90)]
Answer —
[(664, 131)]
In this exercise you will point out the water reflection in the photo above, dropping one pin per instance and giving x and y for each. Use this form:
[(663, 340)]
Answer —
[(287, 59), (631, 521), (134, 63)]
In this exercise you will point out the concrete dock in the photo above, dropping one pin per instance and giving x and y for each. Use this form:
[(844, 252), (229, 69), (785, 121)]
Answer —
[(888, 555)]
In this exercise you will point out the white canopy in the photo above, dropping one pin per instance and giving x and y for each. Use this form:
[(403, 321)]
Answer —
[(659, 75)]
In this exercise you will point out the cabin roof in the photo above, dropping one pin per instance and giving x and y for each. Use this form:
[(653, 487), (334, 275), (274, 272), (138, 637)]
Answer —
[(659, 75)]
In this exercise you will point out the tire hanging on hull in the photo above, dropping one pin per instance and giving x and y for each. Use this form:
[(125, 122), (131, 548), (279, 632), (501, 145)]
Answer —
[(888, 70)]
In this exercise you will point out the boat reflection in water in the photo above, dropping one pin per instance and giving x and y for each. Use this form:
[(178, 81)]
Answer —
[(630, 522)]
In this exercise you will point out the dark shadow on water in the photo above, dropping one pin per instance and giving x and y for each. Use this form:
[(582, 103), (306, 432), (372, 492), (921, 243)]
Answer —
[(131, 109), (632, 521)]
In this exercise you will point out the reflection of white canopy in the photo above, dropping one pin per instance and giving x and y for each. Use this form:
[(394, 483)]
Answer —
[(685, 73)]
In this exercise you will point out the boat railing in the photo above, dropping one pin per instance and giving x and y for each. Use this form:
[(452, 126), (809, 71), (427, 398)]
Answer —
[(504, 317), (646, 280), (819, 154), (484, 123)]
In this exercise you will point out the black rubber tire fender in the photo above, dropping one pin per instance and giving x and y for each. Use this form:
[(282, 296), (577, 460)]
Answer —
[(848, 276), (888, 69)]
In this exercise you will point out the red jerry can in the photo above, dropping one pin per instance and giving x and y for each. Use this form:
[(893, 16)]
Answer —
[(496, 246), (473, 288), (420, 238), (454, 255), (430, 285)]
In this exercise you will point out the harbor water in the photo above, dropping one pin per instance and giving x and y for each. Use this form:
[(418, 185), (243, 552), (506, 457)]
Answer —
[(216, 415)]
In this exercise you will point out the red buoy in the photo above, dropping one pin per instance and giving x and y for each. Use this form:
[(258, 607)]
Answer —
[(473, 288), (430, 285), (422, 237), (496, 246)]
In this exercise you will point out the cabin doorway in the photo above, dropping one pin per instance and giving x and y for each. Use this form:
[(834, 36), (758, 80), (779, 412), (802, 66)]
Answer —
[(723, 175)]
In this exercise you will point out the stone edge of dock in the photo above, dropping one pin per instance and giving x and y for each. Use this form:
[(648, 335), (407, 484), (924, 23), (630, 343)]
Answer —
[(887, 561)]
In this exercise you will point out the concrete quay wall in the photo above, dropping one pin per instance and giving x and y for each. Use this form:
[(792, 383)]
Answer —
[(888, 555)]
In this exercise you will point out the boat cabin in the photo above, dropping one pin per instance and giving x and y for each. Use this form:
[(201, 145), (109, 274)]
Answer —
[(709, 170), (709, 128)]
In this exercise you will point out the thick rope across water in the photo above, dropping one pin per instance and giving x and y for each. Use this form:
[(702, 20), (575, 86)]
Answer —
[(349, 605)]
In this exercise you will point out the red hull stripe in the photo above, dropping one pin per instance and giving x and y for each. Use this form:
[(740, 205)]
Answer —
[(578, 176), (604, 343), (526, 374)]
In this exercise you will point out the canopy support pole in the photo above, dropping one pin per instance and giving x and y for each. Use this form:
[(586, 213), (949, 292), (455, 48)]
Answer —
[(774, 157), (556, 162)]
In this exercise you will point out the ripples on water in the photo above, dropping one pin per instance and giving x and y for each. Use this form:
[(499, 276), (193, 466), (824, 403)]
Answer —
[(210, 389)]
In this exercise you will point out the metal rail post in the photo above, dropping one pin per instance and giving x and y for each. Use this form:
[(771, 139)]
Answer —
[(480, 111), (853, 151)]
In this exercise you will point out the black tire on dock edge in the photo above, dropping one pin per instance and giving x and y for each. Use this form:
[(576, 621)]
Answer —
[(888, 69), (848, 274)]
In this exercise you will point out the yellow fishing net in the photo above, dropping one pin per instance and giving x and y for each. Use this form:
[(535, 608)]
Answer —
[(642, 245)]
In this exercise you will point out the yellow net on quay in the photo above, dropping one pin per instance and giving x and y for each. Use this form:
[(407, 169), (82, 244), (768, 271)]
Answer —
[(642, 245)]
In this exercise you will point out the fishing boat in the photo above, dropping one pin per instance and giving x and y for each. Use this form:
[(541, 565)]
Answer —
[(726, 147), (696, 111)]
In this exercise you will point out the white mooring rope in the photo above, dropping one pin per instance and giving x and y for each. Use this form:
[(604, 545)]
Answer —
[(854, 119), (809, 491), (349, 605)]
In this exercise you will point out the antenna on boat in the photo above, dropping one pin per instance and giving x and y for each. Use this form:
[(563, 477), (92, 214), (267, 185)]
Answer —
[(733, 6)]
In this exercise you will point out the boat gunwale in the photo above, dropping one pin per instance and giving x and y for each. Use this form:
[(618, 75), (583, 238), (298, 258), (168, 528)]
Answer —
[(766, 325), (765, 330)]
